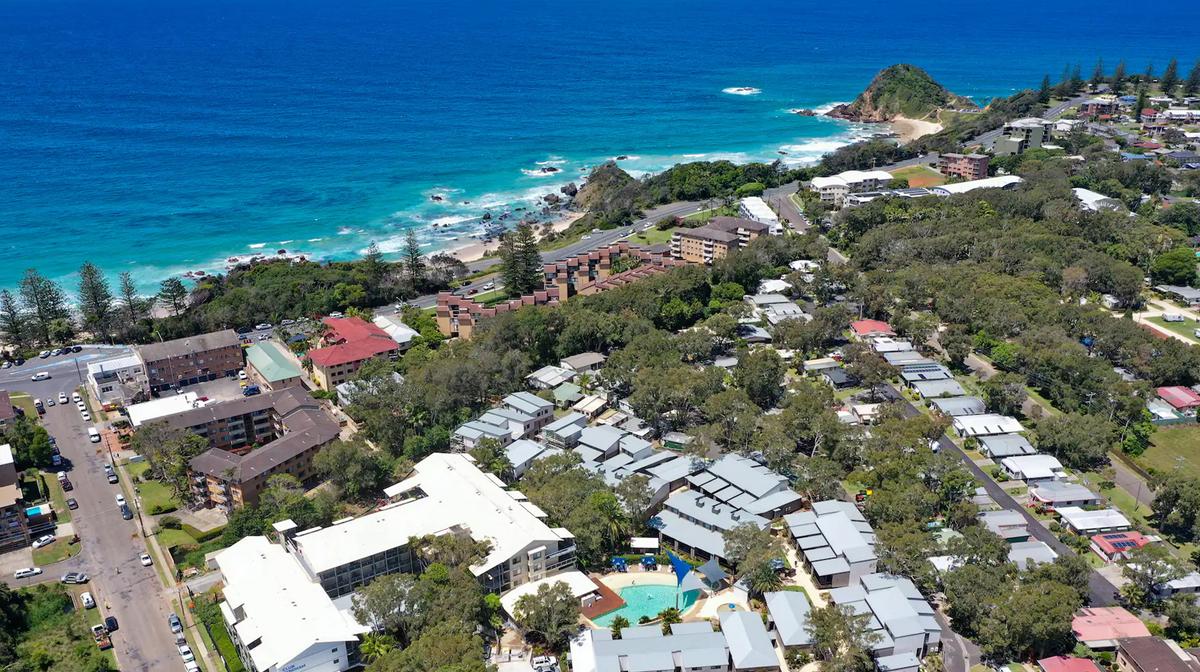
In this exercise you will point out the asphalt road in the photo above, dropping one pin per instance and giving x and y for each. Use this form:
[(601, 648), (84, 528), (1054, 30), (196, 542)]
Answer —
[(60, 368), (1100, 590)]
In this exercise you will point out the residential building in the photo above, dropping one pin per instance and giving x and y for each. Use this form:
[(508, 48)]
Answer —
[(835, 542), (1184, 400), (956, 406), (966, 166), (1092, 522), (716, 239), (1022, 134), (279, 618), (397, 330), (750, 646), (901, 617), (269, 365), (836, 188), (523, 453), (1151, 654), (494, 428), (933, 389), (1097, 106), (1036, 468), (549, 377), (14, 531), (1101, 627), (348, 342), (191, 360), (1028, 554), (1067, 664), (986, 424), (1188, 584), (997, 182), (868, 329), (1113, 546), (446, 494), (1057, 494), (1010, 526), (567, 395), (1000, 446), (288, 427), (1090, 200), (756, 209), (584, 362), (788, 614), (691, 647), (120, 380), (347, 390), (564, 432), (149, 411)]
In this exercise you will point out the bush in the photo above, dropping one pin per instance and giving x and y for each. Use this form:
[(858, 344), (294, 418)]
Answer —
[(170, 523), (202, 537), (156, 509)]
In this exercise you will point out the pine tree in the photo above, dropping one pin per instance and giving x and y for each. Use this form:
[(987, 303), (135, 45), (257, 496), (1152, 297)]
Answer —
[(521, 260), (1170, 78), (1140, 105), (1192, 85), (1148, 76), (132, 306), (1044, 90), (13, 321), (95, 300), (414, 263), (1076, 79), (45, 302), (1118, 78), (1097, 74), (510, 271), (173, 294), (1063, 88)]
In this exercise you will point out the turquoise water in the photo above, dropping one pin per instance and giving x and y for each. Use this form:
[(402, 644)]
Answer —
[(647, 600)]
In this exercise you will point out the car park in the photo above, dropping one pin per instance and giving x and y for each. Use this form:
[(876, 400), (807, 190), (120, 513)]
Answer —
[(88, 601), (146, 560), (27, 572), (75, 578), (40, 375), (72, 504), (176, 626), (44, 540)]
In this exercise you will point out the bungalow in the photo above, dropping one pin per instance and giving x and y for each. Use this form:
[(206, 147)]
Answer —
[(1057, 494), (549, 377), (886, 344), (1100, 627), (932, 389), (676, 441), (1011, 526), (816, 366), (1088, 523), (956, 406), (523, 453), (567, 394), (835, 542), (590, 405), (1183, 399), (1184, 585), (867, 329), (1067, 664), (1027, 554), (564, 432), (865, 414), (584, 362), (986, 424), (838, 378), (788, 617), (1112, 546), (905, 358), (1035, 468)]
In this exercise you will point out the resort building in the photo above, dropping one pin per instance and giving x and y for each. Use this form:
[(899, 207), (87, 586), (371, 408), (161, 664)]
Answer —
[(523, 453), (835, 189), (1101, 627), (270, 366), (835, 541), (252, 438), (1022, 134), (691, 647), (715, 240), (750, 646), (347, 343), (788, 614), (191, 360), (755, 208), (1000, 446), (1151, 654), (520, 416), (564, 432), (966, 166), (446, 494), (901, 617), (121, 380)]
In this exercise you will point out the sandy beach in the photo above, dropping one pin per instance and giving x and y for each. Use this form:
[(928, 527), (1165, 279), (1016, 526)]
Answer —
[(911, 129), (476, 249)]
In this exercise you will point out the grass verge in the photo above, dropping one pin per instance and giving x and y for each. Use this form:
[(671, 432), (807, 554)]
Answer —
[(1173, 449), (1187, 328), (57, 552)]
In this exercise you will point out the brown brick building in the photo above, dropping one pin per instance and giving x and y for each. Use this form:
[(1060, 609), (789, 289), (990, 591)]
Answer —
[(187, 361), (715, 240), (967, 166)]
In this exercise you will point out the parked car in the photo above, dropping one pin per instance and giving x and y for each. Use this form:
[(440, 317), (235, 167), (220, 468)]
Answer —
[(49, 402), (251, 390), (76, 348), (75, 397), (489, 286), (27, 572), (120, 499), (43, 354), (87, 417), (126, 513), (112, 477), (100, 634), (176, 625), (288, 323), (76, 578), (44, 540), (110, 622), (242, 374), (72, 504), (88, 601), (263, 327), (146, 560), (185, 652), (62, 397)]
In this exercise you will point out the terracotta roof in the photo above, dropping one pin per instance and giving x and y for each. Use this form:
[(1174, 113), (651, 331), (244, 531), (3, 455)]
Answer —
[(352, 339), (1119, 542), (1179, 396), (1067, 664), (1107, 623), (867, 327)]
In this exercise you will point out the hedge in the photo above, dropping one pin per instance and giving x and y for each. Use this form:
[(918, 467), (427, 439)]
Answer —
[(202, 537)]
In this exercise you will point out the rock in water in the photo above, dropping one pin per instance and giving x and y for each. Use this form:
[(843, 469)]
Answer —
[(570, 190)]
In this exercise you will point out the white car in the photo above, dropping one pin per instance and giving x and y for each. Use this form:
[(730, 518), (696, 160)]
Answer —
[(81, 406), (75, 397), (43, 541), (62, 397), (263, 327), (87, 417), (40, 375), (27, 572), (120, 499), (88, 601), (185, 652), (146, 560), (488, 286), (242, 374)]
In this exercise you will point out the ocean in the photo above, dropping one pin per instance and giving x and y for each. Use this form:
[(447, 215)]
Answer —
[(163, 136)]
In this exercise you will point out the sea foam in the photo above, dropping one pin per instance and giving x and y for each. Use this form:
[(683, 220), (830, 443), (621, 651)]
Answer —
[(742, 91)]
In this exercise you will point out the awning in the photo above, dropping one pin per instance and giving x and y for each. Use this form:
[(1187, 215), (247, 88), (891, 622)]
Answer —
[(644, 543), (691, 582), (712, 572)]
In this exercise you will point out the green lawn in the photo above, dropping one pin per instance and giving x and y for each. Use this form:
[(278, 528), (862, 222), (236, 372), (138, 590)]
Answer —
[(58, 499), (1187, 328), (1047, 407), (57, 552), (1173, 448), (920, 176), (654, 236), (1120, 498), (705, 215), (156, 497), (24, 402), (171, 538)]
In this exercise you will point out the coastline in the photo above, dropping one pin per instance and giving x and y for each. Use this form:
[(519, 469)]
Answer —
[(911, 129), (477, 250)]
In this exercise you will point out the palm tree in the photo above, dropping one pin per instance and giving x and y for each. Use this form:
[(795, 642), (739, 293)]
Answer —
[(612, 517), (762, 578), (618, 624), (668, 616), (375, 646)]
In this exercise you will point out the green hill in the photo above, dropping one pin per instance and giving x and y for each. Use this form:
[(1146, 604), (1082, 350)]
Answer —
[(901, 91)]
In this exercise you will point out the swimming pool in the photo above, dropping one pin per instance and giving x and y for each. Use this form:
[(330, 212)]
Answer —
[(647, 600)]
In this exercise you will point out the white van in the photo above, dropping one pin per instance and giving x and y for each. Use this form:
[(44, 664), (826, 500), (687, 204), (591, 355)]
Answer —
[(88, 602), (93, 435), (40, 375)]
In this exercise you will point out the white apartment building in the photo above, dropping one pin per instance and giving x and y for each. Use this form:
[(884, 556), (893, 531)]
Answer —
[(117, 380), (755, 208), (834, 189)]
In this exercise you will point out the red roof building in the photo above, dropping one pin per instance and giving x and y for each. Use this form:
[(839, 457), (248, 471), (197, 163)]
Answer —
[(1067, 664), (349, 341), (1116, 545), (871, 328), (1180, 398), (1146, 144), (1101, 627)]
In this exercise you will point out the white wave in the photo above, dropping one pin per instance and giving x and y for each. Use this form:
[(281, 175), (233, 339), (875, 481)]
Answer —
[(315, 240), (742, 91), (344, 230), (257, 246), (538, 172), (701, 155), (451, 220), (552, 161), (828, 107)]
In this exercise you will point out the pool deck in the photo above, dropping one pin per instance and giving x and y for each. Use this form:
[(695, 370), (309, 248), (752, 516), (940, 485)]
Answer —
[(609, 584), (609, 600)]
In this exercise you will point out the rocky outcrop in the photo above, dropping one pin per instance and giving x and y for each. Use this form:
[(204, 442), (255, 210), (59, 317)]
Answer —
[(570, 189), (900, 91)]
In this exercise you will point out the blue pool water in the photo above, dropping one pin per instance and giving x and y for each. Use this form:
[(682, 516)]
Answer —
[(646, 601)]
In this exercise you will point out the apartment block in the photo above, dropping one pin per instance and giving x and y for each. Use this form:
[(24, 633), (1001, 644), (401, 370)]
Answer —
[(187, 361), (347, 343), (966, 166), (716, 240)]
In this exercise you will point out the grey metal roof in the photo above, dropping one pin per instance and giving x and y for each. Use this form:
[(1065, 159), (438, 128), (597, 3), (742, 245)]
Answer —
[(938, 388), (749, 644), (789, 612), (572, 419), (747, 474), (954, 406), (1028, 553), (836, 526), (1005, 445), (1062, 491), (526, 402), (676, 527), (897, 608)]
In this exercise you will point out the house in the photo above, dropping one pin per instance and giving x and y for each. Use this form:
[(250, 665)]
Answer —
[(956, 406), (1113, 546), (268, 365), (690, 647), (1027, 554), (1188, 584), (901, 616), (998, 182), (867, 329), (471, 434), (816, 366), (1100, 627), (348, 343), (1010, 526), (1151, 654), (966, 166), (1183, 399), (715, 240), (1090, 200), (120, 380), (932, 389), (1035, 468), (288, 426), (999, 446), (567, 395), (788, 617), (564, 432), (1089, 523), (885, 344), (590, 405), (755, 208), (835, 542), (1057, 494), (14, 534), (584, 362), (865, 414), (749, 644), (392, 325), (1067, 664), (522, 453), (838, 378), (986, 424), (538, 409), (549, 377), (191, 360), (903, 358), (347, 390)]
